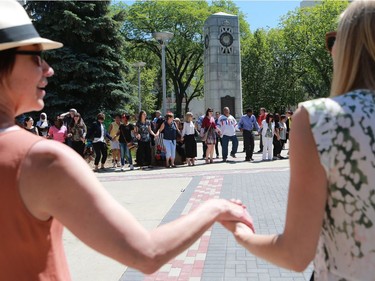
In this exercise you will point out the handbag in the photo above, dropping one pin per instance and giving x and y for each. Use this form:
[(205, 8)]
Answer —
[(205, 135)]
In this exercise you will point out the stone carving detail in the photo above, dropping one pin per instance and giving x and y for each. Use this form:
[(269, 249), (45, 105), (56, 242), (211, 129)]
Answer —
[(225, 29), (226, 22), (226, 38)]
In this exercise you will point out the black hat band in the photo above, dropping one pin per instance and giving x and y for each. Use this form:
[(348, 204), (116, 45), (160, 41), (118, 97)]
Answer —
[(18, 33)]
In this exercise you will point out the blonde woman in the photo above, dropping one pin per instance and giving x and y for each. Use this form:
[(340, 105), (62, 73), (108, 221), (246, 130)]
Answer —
[(188, 136), (331, 206)]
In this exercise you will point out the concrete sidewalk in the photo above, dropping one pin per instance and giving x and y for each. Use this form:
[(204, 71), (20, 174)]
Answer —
[(160, 195)]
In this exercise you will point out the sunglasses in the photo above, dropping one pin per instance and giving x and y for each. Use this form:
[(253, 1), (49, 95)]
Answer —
[(38, 55), (330, 40)]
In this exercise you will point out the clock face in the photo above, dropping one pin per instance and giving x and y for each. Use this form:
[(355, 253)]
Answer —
[(206, 41), (226, 39)]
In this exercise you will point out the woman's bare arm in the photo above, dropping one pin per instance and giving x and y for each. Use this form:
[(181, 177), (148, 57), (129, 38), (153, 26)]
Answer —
[(160, 130), (296, 247), (56, 182), (150, 131)]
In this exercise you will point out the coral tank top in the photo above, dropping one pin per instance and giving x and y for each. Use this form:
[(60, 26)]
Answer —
[(30, 249)]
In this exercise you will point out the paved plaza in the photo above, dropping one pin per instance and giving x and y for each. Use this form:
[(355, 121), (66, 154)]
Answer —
[(160, 195)]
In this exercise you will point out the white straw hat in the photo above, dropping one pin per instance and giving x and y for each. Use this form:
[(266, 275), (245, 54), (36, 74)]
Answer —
[(16, 29)]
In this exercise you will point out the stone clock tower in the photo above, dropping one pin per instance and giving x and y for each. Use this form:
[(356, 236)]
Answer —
[(222, 64)]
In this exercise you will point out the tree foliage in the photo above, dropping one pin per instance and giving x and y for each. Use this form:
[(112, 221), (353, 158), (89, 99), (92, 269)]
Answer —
[(184, 53), (280, 66), (90, 68), (286, 65)]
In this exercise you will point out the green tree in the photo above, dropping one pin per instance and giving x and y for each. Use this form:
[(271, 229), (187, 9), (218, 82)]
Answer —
[(286, 65), (304, 30), (184, 54), (90, 68), (256, 62)]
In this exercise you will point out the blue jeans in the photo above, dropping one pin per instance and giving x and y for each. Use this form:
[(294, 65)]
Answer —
[(170, 148), (224, 145), (125, 152)]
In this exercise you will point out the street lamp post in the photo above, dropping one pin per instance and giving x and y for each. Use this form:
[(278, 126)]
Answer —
[(139, 65), (163, 39)]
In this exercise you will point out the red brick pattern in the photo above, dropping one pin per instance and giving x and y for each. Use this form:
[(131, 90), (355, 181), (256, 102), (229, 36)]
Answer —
[(188, 266)]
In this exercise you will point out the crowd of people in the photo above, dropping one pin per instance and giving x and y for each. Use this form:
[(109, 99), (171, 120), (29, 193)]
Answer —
[(174, 136)]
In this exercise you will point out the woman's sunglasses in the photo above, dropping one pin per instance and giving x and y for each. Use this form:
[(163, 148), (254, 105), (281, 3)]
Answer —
[(38, 55), (330, 40)]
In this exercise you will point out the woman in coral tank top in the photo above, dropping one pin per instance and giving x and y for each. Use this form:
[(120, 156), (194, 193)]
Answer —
[(34, 211)]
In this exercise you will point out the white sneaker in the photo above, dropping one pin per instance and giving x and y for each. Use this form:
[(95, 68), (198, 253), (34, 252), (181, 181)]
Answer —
[(122, 168), (113, 164), (131, 167)]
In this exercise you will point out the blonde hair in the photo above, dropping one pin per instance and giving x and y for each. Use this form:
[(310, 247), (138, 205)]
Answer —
[(354, 54), (188, 114)]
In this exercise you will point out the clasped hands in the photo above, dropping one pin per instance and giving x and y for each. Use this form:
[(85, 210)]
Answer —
[(241, 226)]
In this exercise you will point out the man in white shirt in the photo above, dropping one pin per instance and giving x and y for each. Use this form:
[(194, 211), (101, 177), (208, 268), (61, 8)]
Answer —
[(227, 125)]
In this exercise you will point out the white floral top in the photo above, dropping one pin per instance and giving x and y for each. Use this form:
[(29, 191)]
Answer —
[(344, 132)]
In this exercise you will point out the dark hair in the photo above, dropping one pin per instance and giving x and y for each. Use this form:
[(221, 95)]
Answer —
[(249, 110), (269, 115), (117, 115), (139, 115), (27, 119), (276, 117), (209, 110), (59, 122), (7, 60), (282, 117)]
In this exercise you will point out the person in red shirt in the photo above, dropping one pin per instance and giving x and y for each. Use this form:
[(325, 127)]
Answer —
[(208, 131)]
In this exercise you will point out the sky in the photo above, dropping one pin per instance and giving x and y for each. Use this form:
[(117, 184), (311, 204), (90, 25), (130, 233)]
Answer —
[(262, 13), (265, 14)]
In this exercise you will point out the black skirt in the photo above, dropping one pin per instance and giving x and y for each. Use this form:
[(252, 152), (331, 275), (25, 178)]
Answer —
[(190, 146)]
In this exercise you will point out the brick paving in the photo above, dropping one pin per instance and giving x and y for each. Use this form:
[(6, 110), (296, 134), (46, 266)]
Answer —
[(216, 256)]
